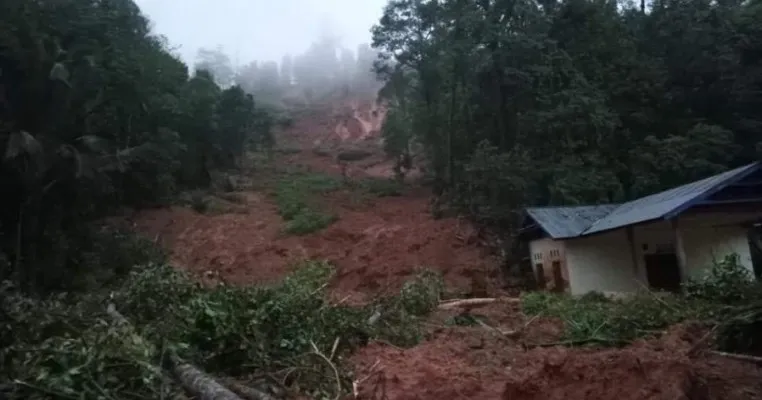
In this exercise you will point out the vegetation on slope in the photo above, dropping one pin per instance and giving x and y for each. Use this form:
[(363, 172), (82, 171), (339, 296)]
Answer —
[(69, 346), (518, 102), (96, 114), (727, 297)]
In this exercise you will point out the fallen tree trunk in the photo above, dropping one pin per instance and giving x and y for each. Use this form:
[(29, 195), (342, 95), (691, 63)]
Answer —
[(198, 383), (193, 380)]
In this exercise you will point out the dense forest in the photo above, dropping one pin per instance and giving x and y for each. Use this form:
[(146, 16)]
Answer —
[(96, 114), (517, 102)]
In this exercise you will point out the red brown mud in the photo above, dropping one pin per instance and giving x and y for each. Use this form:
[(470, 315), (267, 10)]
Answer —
[(376, 246), (479, 363)]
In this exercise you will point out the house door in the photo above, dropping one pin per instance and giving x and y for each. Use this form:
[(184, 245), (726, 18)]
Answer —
[(663, 271), (540, 276), (558, 277)]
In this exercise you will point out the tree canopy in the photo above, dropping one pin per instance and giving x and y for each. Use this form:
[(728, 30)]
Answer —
[(96, 114), (518, 102)]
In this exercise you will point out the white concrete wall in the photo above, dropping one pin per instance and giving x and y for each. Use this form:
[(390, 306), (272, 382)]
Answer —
[(602, 263), (709, 237), (545, 252)]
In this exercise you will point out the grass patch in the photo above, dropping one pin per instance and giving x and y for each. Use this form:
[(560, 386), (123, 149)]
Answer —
[(721, 297), (292, 196), (68, 347), (307, 221), (598, 320)]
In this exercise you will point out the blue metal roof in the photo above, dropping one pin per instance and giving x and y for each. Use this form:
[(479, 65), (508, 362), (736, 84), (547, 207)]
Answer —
[(567, 222), (669, 203)]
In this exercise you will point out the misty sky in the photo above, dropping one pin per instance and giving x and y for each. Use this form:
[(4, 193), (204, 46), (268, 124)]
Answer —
[(259, 29)]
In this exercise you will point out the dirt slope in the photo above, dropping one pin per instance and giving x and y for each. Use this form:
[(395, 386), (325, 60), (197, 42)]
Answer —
[(377, 243), (461, 363)]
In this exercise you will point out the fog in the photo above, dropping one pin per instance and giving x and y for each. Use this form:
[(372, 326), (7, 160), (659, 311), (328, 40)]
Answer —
[(259, 29)]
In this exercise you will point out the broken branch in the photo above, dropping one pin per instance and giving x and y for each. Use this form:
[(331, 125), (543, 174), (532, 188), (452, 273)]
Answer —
[(461, 303), (740, 357)]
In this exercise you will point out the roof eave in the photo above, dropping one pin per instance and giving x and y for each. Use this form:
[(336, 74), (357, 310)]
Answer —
[(688, 204)]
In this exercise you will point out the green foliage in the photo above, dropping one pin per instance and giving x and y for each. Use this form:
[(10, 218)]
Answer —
[(293, 194), (727, 281), (65, 346), (725, 295), (422, 294), (307, 221), (96, 113), (400, 316), (579, 102), (742, 332), (598, 320)]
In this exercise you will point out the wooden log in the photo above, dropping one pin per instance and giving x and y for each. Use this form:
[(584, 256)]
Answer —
[(192, 379)]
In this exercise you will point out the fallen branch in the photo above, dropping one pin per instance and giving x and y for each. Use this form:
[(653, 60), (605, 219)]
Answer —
[(697, 346), (356, 384), (510, 334), (464, 303), (330, 363), (740, 357)]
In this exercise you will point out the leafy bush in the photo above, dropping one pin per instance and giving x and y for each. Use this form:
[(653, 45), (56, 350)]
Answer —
[(308, 221), (712, 298), (727, 281), (743, 331), (400, 316), (600, 320), (422, 293), (69, 347), (292, 197)]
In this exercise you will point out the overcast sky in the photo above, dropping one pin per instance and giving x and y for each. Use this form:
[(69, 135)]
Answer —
[(259, 29)]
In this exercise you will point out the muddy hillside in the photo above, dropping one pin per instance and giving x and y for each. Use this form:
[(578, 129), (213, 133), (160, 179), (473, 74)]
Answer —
[(377, 241)]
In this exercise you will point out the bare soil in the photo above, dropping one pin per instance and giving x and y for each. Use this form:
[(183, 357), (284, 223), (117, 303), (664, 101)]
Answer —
[(379, 242)]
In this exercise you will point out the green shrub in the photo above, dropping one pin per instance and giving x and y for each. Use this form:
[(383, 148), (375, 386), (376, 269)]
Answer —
[(307, 221), (68, 346), (422, 294), (292, 197), (106, 254), (598, 319), (742, 332), (400, 316), (727, 281)]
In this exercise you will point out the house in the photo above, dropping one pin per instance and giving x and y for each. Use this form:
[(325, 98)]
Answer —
[(656, 241)]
